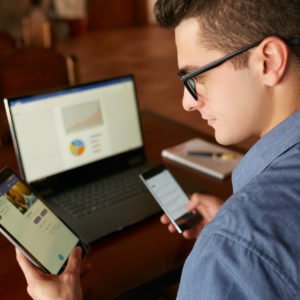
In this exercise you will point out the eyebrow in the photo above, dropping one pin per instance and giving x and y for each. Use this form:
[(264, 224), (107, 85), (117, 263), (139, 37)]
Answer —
[(187, 69)]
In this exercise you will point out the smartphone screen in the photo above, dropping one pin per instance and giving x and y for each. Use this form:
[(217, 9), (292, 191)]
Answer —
[(170, 196), (30, 225)]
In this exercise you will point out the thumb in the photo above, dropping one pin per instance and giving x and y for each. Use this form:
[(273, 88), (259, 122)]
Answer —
[(193, 203), (74, 262)]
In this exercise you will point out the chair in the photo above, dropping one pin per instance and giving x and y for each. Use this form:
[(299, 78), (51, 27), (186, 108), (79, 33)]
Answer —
[(32, 70), (7, 44)]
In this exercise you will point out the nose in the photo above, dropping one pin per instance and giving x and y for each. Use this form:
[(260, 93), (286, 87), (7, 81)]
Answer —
[(189, 103)]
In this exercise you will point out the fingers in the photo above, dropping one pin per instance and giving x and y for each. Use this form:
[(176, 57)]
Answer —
[(29, 270), (171, 228), (166, 221), (193, 232), (23, 263), (194, 202), (46, 286), (206, 205), (26, 266)]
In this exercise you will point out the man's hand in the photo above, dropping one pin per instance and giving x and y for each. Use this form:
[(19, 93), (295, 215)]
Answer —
[(206, 205), (65, 286)]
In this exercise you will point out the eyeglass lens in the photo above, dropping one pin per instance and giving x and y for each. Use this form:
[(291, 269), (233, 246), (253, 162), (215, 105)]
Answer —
[(191, 86)]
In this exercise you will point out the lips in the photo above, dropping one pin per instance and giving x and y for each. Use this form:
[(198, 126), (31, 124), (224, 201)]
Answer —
[(210, 120)]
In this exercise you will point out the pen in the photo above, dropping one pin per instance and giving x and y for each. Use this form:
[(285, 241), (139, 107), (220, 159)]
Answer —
[(214, 155)]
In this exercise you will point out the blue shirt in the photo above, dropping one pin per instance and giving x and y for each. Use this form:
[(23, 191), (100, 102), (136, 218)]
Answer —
[(251, 249)]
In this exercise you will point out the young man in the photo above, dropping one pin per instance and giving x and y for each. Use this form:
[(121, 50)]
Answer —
[(239, 62)]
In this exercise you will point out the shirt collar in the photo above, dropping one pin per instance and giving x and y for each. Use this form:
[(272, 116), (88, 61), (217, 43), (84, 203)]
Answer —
[(270, 146)]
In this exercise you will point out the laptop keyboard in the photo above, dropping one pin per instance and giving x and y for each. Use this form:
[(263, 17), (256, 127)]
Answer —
[(99, 194)]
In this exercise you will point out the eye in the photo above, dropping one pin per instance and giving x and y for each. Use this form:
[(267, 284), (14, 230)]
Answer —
[(200, 79)]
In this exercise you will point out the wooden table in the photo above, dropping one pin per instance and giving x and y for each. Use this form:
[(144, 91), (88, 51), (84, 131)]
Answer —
[(138, 254)]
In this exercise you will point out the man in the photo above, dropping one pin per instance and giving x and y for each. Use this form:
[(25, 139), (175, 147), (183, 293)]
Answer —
[(240, 64)]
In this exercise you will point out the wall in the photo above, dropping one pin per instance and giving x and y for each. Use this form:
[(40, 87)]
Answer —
[(11, 13)]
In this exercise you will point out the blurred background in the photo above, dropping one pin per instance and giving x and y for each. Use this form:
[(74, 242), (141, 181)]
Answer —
[(60, 19), (102, 39)]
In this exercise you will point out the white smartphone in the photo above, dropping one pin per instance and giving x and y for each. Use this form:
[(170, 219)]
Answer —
[(170, 196), (31, 226)]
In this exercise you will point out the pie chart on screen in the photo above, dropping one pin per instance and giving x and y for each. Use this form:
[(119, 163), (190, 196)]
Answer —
[(77, 147)]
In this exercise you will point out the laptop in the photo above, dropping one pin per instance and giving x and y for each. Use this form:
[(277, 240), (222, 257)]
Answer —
[(82, 149)]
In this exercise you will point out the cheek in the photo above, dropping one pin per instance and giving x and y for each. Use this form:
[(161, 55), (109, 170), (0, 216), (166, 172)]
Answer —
[(236, 109)]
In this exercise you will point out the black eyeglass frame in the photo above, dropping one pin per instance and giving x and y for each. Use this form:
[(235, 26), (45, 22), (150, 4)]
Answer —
[(188, 79)]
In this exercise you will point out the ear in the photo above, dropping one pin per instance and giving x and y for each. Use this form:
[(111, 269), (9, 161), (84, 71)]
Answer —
[(273, 55)]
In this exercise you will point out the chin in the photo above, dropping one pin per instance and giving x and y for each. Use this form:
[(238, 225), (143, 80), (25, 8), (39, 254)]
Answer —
[(226, 140)]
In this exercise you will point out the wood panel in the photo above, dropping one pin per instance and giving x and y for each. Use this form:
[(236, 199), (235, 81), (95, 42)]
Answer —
[(116, 13), (7, 44)]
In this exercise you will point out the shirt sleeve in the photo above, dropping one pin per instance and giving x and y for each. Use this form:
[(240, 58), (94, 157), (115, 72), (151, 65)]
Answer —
[(223, 268)]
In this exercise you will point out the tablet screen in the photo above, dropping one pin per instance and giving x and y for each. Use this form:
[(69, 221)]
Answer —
[(32, 225)]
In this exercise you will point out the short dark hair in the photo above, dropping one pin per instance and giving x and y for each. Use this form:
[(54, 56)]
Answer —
[(230, 24)]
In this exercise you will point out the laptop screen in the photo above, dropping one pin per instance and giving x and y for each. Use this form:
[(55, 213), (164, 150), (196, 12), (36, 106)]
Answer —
[(66, 129)]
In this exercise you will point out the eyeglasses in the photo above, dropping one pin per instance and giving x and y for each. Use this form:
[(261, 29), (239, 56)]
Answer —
[(189, 78)]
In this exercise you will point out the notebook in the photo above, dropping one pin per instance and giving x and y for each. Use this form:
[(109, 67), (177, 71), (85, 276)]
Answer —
[(82, 149), (212, 159)]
